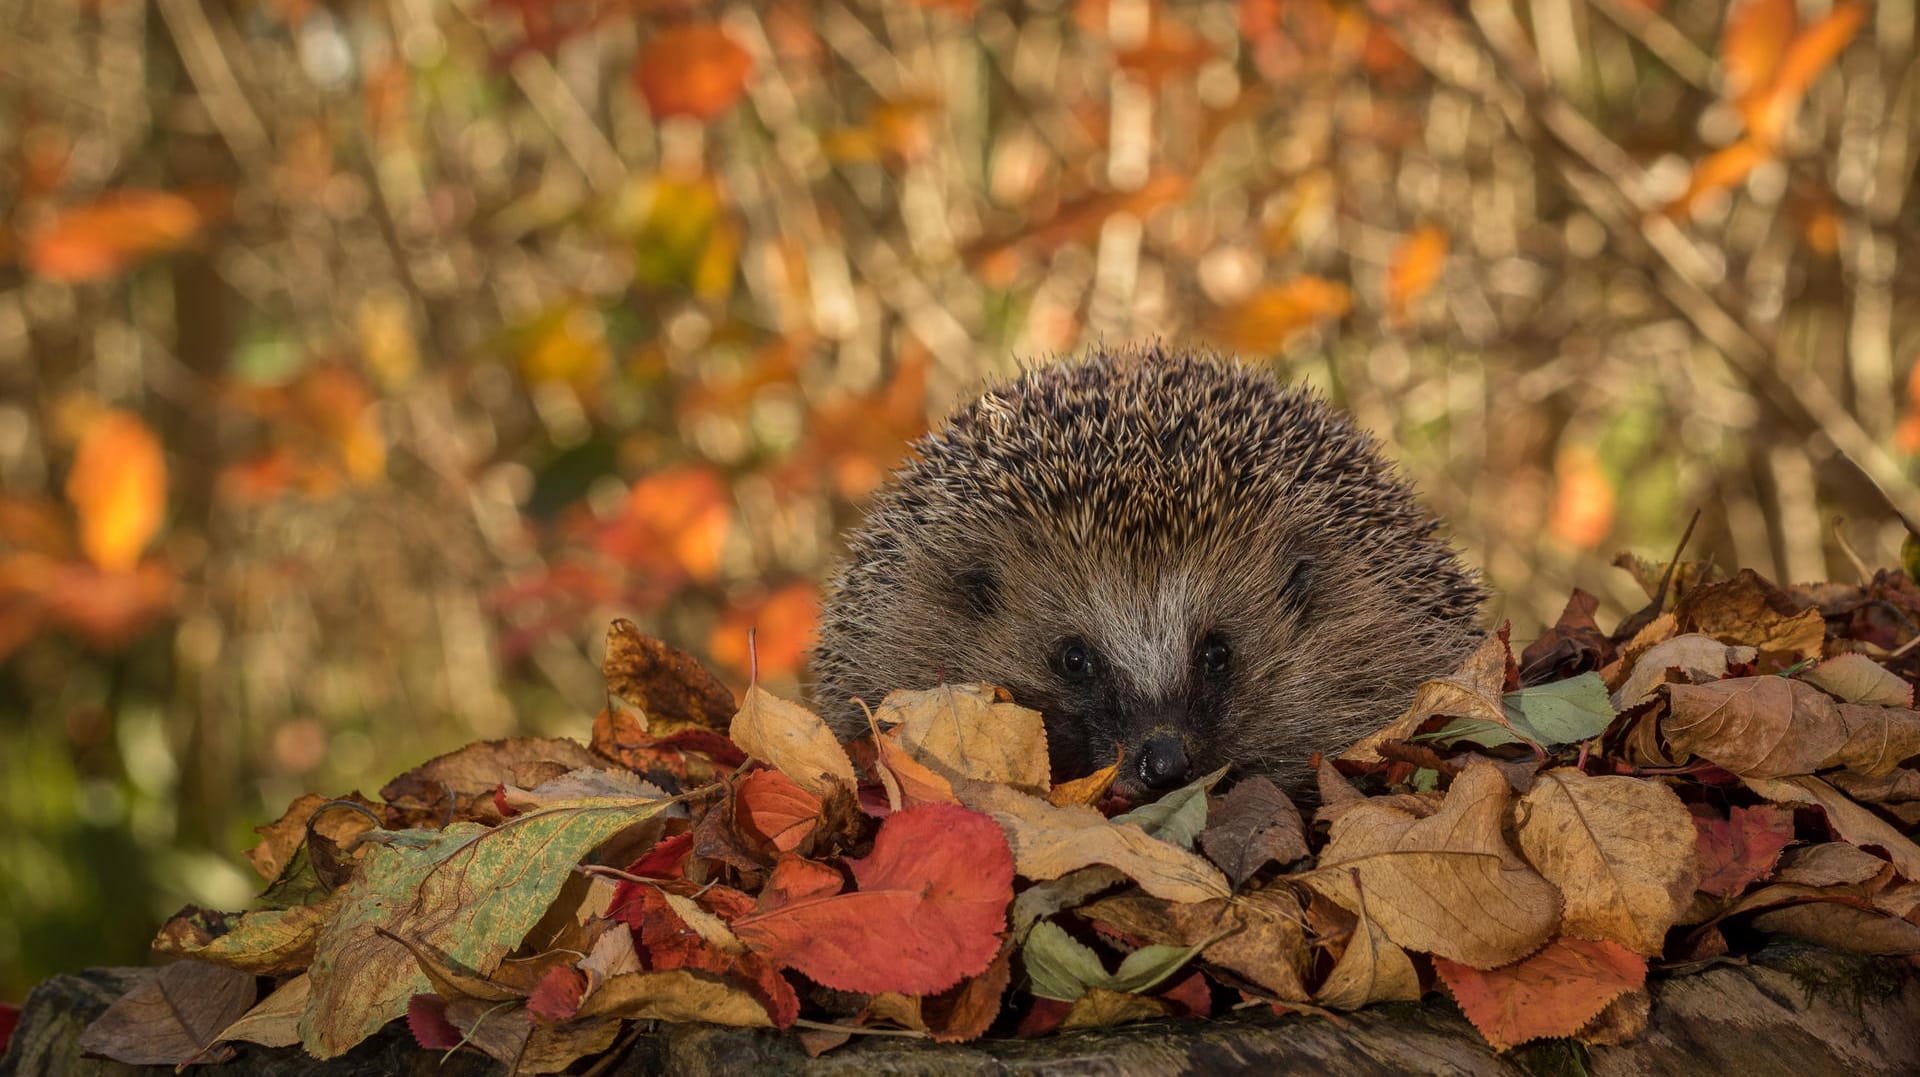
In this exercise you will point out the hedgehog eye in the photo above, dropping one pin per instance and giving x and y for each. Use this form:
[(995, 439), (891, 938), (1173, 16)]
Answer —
[(1215, 656), (1075, 661)]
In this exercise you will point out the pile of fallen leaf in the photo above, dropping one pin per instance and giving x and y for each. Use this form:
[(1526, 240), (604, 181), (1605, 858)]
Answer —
[(1531, 837)]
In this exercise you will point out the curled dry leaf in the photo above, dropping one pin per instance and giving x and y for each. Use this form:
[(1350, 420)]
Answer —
[(1700, 657), (1850, 820), (793, 740), (471, 774), (1371, 969), (1843, 926), (275, 1022), (1473, 691), (1621, 850), (266, 942), (1555, 992), (1760, 727), (1879, 739), (1258, 935), (1747, 610), (663, 689), (1448, 884), (1049, 842), (970, 731)]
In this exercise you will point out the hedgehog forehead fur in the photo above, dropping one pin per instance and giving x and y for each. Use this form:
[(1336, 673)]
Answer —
[(1143, 505)]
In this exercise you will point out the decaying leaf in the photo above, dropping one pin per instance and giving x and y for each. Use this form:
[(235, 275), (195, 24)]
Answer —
[(661, 688), (1473, 692), (175, 1016), (1742, 848), (1449, 884), (1698, 656), (1252, 826), (1759, 727), (1621, 850), (1855, 678)]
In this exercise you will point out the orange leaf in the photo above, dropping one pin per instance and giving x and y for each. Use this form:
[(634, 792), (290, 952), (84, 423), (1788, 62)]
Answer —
[(93, 242), (696, 70), (1266, 320), (1415, 268), (772, 808), (1718, 171), (1755, 37), (928, 913), (674, 525), (1741, 848), (1170, 51), (1556, 992), (1810, 53), (782, 627), (118, 488), (1583, 500)]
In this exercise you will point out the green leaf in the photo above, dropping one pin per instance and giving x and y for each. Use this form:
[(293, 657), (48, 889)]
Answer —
[(1064, 969), (1180, 816), (1564, 712), (470, 891)]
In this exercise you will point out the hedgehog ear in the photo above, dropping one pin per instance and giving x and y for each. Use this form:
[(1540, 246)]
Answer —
[(1296, 594), (977, 588)]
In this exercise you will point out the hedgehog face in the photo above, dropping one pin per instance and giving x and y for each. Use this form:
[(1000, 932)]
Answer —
[(1174, 558)]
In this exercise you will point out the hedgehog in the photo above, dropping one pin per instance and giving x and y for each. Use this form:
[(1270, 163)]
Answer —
[(1180, 562)]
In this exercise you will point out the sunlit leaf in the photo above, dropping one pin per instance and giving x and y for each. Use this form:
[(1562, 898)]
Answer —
[(118, 488)]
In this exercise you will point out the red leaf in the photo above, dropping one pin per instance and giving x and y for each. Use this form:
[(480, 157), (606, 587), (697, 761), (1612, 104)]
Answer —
[(557, 996), (1044, 1017), (1191, 997), (9, 1020), (1741, 849), (770, 807), (427, 1020), (795, 879), (665, 860), (666, 942), (1553, 993), (931, 904)]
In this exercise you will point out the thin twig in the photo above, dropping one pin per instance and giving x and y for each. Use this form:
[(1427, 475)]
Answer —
[(213, 77)]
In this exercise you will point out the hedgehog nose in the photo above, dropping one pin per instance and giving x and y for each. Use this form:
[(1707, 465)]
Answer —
[(1163, 762)]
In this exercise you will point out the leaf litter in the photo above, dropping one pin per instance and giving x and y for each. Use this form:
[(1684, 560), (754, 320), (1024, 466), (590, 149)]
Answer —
[(1534, 836)]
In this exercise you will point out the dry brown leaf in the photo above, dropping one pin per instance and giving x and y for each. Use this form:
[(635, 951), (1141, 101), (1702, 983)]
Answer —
[(1100, 1007), (1624, 1019), (171, 1017), (1448, 884), (1761, 727), (676, 995), (1371, 969), (971, 731), (1901, 785), (1855, 678), (1472, 691), (1265, 941), (1879, 739), (1253, 825), (1049, 842), (1621, 850), (1747, 610), (275, 1022), (1700, 657), (664, 689), (1842, 926), (1850, 820), (793, 740), (1830, 863)]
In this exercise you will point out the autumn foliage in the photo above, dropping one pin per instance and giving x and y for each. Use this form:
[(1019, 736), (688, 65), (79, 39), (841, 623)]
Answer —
[(1535, 836)]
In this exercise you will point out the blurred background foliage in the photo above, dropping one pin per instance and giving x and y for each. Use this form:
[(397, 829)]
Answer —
[(362, 358)]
